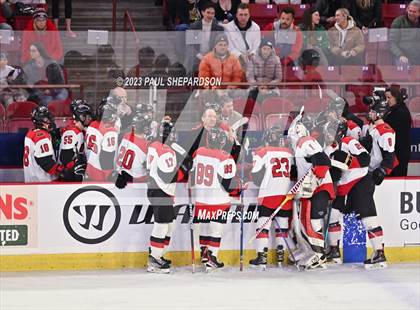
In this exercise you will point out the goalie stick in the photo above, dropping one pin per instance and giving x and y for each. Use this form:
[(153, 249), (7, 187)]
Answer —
[(289, 196)]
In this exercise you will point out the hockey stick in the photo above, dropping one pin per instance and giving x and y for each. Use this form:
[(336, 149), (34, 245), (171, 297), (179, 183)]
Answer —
[(288, 247), (289, 196), (191, 209), (241, 245)]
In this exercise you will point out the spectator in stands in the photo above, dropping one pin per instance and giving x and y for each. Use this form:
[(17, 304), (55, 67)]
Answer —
[(264, 67), (347, 43), (228, 114), (6, 96), (67, 14), (243, 34), (404, 36), (146, 57), (209, 29), (35, 68), (55, 76), (5, 69), (314, 34), (21, 95), (5, 14), (220, 63), (161, 68), (124, 110), (327, 9), (287, 37), (366, 13), (226, 10), (41, 29), (399, 119), (185, 10)]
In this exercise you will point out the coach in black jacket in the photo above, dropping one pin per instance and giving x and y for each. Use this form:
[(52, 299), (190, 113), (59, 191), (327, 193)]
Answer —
[(204, 31), (399, 119)]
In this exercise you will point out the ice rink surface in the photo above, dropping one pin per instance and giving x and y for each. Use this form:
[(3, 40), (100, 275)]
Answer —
[(339, 287)]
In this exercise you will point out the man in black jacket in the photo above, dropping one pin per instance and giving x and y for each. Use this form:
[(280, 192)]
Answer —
[(202, 33), (399, 119)]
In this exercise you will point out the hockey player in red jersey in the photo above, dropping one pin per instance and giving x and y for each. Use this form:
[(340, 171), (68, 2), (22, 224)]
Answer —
[(350, 162), (132, 152), (163, 167), (39, 159), (72, 140), (272, 171), (102, 142), (213, 179), (318, 189)]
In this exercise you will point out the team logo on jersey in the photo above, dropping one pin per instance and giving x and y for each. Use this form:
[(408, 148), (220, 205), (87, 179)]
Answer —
[(92, 214)]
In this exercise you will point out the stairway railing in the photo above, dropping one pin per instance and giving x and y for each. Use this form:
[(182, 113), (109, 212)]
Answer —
[(128, 21)]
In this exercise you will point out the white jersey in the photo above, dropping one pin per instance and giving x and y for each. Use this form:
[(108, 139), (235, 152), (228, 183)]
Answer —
[(383, 138), (277, 162), (99, 137), (132, 155), (349, 177), (37, 145), (209, 165), (353, 130), (161, 156), (305, 148), (72, 138)]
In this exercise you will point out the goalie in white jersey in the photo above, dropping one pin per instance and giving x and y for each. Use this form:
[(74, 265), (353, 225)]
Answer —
[(132, 152), (39, 160), (102, 142), (72, 140), (213, 180), (317, 190), (350, 169), (272, 172)]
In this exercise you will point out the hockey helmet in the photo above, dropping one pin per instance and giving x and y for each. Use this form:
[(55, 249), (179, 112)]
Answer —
[(83, 113), (378, 110), (274, 136), (144, 108), (309, 57), (107, 110), (216, 138), (308, 121), (167, 132), (142, 123), (77, 102), (42, 118)]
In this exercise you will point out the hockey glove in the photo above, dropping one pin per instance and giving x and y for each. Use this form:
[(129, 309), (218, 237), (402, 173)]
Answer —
[(293, 173), (378, 175), (80, 164), (335, 174), (343, 157), (122, 180)]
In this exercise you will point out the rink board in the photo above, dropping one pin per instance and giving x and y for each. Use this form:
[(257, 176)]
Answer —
[(91, 226)]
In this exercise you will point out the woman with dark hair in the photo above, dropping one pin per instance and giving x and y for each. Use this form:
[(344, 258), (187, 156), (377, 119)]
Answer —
[(35, 67), (314, 34), (399, 119), (226, 10), (366, 13), (55, 76)]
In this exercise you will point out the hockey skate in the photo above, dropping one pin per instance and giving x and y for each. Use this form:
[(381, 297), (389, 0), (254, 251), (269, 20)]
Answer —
[(204, 255), (312, 261), (334, 256), (297, 254), (212, 262), (376, 261), (279, 255), (157, 265), (260, 261), (168, 261)]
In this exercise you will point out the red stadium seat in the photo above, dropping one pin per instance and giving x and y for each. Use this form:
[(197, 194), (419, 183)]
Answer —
[(60, 107), (414, 105), (323, 75), (415, 77), (246, 106), (279, 120), (20, 109), (315, 105), (378, 53), (390, 11), (358, 74), (19, 125), (276, 111), (387, 74), (263, 14), (254, 123), (62, 122), (292, 74), (2, 117)]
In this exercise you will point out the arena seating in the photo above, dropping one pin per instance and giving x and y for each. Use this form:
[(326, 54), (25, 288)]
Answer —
[(18, 116), (2, 118)]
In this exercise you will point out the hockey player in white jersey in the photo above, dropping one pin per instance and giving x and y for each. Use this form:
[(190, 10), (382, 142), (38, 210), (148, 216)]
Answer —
[(72, 140), (102, 141), (213, 179), (272, 172), (317, 190), (132, 152), (164, 172), (39, 159), (350, 170)]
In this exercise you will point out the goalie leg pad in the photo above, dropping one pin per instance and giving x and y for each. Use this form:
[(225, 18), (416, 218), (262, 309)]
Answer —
[(312, 228)]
